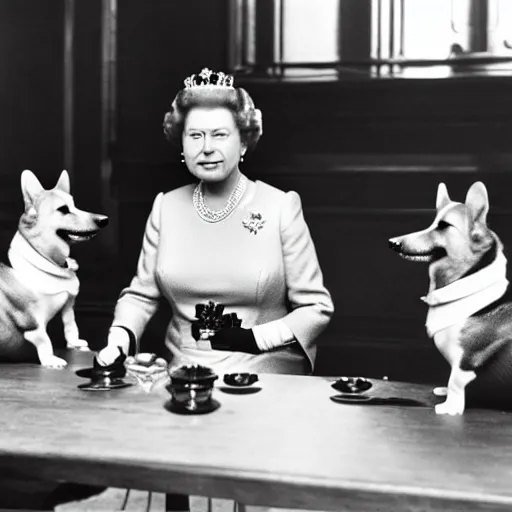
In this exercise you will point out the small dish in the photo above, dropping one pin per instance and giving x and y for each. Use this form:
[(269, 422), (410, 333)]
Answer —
[(352, 384), (104, 385), (240, 380), (235, 390)]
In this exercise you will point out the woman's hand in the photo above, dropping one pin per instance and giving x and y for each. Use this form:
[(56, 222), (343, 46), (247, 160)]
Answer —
[(235, 339), (118, 341), (108, 355)]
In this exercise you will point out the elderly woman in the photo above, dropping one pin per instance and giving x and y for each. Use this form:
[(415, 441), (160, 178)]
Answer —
[(239, 244), (225, 240)]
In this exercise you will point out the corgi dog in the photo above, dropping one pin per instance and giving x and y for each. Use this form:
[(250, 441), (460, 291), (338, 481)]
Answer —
[(41, 279), (470, 307)]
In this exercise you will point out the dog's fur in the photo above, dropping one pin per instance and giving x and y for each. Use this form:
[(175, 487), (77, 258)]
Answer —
[(459, 245), (41, 280)]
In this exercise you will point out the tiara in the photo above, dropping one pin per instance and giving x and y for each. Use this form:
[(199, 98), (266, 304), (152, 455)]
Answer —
[(207, 77)]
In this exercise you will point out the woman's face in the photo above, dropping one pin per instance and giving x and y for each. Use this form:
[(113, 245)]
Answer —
[(211, 143)]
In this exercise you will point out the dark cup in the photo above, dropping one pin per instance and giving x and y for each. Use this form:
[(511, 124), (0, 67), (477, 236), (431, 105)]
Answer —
[(191, 388), (240, 379), (352, 384)]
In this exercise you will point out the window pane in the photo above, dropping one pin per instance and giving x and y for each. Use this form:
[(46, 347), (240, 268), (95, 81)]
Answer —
[(500, 40), (428, 32), (310, 30)]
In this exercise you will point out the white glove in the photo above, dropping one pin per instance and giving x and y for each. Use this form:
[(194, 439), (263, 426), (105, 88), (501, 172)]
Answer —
[(118, 339)]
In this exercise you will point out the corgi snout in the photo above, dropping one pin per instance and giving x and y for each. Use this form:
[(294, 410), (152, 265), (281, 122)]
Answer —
[(395, 245), (101, 221)]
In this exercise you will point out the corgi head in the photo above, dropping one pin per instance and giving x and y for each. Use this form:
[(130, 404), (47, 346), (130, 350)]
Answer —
[(458, 241), (51, 222)]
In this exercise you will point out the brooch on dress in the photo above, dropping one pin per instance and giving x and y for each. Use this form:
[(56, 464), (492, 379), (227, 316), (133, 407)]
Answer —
[(254, 222)]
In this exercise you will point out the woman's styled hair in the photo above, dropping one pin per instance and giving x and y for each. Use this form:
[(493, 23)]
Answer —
[(211, 89)]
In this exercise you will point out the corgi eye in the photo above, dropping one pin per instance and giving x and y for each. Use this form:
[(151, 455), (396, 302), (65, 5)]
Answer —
[(442, 225), (63, 209)]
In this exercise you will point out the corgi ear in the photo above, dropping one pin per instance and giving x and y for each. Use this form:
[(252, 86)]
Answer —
[(477, 201), (442, 198), (63, 183), (30, 187)]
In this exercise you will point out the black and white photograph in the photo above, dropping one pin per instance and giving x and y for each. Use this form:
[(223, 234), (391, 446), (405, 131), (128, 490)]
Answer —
[(254, 255)]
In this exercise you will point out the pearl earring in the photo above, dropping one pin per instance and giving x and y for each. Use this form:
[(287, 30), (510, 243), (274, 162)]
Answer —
[(182, 158), (241, 158)]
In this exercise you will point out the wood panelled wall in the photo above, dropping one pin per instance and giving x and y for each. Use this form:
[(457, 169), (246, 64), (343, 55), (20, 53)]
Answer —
[(366, 158), (31, 79)]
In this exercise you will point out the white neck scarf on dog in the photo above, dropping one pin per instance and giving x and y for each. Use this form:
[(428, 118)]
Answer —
[(38, 272), (457, 301)]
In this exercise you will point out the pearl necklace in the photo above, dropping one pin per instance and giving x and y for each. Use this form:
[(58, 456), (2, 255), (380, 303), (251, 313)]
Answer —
[(209, 215)]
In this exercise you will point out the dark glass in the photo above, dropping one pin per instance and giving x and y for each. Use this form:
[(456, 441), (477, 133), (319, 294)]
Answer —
[(191, 387), (240, 379), (352, 384)]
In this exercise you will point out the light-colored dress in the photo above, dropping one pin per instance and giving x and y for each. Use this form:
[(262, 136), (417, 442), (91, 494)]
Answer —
[(269, 276)]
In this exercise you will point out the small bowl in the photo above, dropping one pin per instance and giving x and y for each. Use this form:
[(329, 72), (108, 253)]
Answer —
[(191, 388), (352, 384), (240, 379)]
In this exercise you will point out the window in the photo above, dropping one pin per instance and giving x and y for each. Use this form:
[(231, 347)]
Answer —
[(501, 33), (281, 36), (435, 30), (309, 33), (329, 38)]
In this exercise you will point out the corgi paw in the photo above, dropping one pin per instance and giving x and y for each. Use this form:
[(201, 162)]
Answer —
[(78, 344), (53, 362), (451, 407)]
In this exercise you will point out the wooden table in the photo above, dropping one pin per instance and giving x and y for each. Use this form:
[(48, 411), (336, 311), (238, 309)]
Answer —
[(287, 445)]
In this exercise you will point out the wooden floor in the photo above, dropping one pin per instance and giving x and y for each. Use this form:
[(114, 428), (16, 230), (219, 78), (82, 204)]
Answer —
[(118, 499)]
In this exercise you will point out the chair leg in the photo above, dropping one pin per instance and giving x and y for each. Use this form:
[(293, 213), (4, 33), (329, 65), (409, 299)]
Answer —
[(238, 507), (176, 503), (67, 492)]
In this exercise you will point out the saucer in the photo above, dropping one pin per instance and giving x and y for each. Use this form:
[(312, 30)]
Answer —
[(202, 408), (100, 386), (239, 390), (375, 400)]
